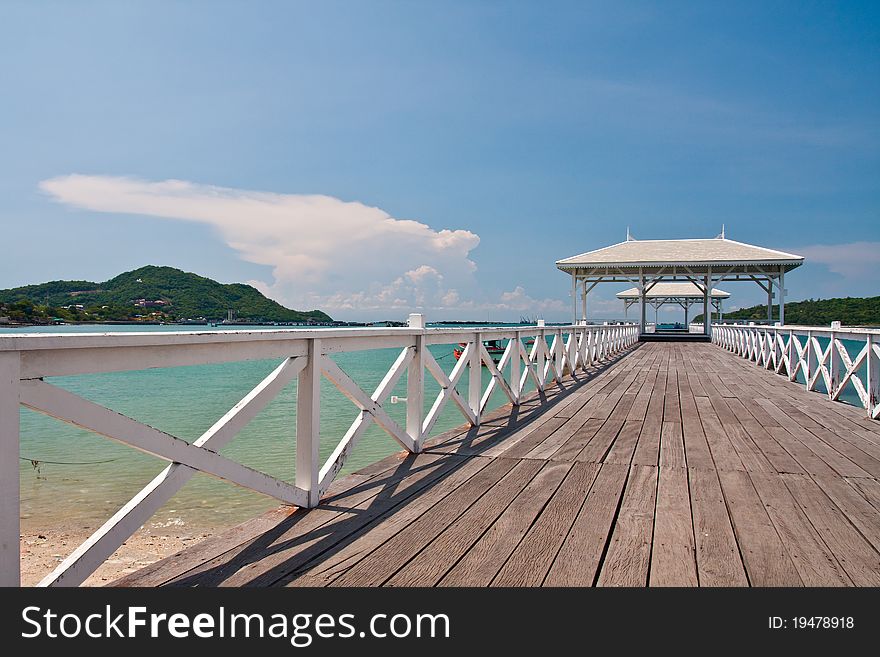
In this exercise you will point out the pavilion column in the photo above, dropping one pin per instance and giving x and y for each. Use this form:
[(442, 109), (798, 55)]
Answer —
[(574, 299), (770, 300), (782, 297), (707, 315), (687, 305), (643, 323), (584, 302)]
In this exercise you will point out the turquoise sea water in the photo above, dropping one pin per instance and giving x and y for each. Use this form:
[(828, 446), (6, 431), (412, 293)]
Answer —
[(186, 401)]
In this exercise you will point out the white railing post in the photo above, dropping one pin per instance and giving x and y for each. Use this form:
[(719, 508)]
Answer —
[(790, 352), (10, 550), (415, 383), (775, 352), (475, 380), (590, 339), (873, 377), (833, 366), (808, 359), (308, 424), (539, 354), (515, 360), (558, 356)]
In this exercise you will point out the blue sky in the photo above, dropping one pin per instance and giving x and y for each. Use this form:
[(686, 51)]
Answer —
[(373, 158)]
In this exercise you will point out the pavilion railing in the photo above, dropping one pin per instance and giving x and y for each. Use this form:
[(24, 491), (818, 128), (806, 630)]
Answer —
[(834, 359), (27, 360)]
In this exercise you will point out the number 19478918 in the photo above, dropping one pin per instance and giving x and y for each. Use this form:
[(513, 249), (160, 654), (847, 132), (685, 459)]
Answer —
[(811, 622)]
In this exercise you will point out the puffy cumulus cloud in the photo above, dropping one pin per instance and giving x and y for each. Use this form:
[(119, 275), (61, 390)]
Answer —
[(511, 302), (344, 257), (324, 252), (422, 287), (517, 299)]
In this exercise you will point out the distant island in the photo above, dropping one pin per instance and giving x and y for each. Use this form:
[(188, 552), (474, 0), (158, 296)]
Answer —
[(151, 295), (851, 311)]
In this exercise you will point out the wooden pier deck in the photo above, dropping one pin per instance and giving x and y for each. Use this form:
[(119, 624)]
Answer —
[(673, 465)]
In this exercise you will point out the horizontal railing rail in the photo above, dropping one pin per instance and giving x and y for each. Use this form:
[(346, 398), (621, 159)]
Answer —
[(305, 355), (793, 350)]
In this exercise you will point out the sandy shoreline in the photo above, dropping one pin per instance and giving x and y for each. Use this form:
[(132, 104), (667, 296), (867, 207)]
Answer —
[(43, 550)]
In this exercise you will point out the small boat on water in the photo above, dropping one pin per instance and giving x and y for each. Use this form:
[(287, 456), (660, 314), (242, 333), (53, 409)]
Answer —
[(495, 349)]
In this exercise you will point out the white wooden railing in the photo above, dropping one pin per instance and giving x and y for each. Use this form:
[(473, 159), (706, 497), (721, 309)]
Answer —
[(26, 360), (789, 350)]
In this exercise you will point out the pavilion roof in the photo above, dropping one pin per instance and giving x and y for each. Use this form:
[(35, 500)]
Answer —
[(696, 254)]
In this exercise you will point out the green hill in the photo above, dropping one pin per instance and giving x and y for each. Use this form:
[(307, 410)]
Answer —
[(851, 311), (170, 293)]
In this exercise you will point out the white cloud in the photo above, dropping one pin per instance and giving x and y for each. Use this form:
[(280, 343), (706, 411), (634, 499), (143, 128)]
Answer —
[(324, 252), (854, 260), (343, 257), (511, 303), (518, 300)]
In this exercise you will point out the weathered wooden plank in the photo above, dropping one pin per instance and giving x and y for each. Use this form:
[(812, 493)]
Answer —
[(532, 558), (629, 552), (778, 458), (432, 563), (858, 510), (837, 416), (673, 554), (648, 449), (721, 387), (175, 565), (804, 456), (624, 446), (849, 446), (548, 447), (383, 561), (855, 555), (569, 450), (696, 448), (639, 408), (580, 555), (814, 562), (749, 455), (869, 488), (799, 427), (348, 490), (613, 400), (321, 568), (521, 447), (766, 560), (671, 402), (851, 432), (724, 455), (753, 459), (595, 450), (486, 557), (265, 560), (718, 558), (672, 446)]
